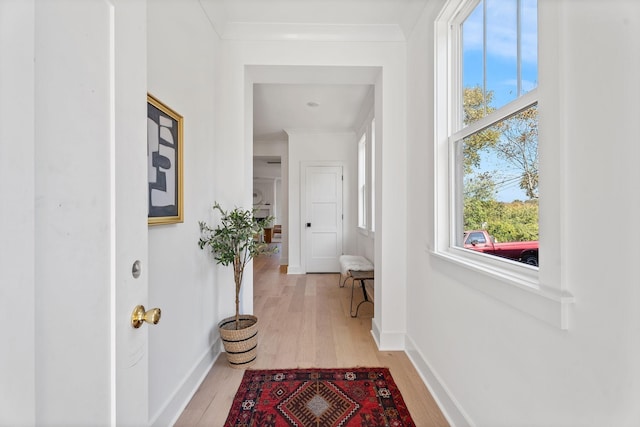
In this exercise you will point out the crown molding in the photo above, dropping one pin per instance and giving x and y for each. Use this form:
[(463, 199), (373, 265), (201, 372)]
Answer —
[(249, 31)]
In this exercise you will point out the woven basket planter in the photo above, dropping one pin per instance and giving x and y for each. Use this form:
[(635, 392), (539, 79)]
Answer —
[(241, 345)]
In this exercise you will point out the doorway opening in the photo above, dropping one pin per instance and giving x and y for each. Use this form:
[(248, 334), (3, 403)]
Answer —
[(302, 114)]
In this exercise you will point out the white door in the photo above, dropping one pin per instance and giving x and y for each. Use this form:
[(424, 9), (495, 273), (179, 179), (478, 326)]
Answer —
[(322, 218), (129, 102)]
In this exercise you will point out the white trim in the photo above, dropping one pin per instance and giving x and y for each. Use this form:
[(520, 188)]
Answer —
[(363, 182), (113, 241), (541, 302), (295, 269), (448, 404), (367, 130), (313, 32), (371, 150), (375, 332), (173, 408), (363, 231), (390, 341)]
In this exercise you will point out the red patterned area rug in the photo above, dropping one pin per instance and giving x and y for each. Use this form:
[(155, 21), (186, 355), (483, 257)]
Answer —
[(362, 397)]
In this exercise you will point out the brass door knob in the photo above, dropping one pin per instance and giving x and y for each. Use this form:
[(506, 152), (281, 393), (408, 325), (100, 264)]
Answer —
[(139, 316)]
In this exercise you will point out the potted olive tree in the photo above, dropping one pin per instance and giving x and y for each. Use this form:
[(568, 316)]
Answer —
[(236, 241)]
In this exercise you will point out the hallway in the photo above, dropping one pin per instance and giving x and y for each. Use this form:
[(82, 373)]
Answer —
[(305, 322)]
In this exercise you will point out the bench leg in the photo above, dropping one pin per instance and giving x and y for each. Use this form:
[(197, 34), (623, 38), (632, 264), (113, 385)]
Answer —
[(364, 293), (341, 282)]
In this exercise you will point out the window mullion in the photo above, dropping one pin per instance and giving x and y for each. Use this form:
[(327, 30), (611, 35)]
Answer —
[(519, 48), (456, 77), (518, 104), (484, 56)]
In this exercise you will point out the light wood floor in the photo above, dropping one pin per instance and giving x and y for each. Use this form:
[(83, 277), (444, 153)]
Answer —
[(305, 322)]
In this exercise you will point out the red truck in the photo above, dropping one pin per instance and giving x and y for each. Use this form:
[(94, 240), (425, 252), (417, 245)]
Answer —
[(481, 241)]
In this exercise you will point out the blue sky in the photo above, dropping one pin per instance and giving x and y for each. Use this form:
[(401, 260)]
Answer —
[(501, 61)]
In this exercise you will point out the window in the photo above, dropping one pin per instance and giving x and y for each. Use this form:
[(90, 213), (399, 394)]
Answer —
[(486, 154), (494, 127), (362, 182), (366, 177), (372, 192)]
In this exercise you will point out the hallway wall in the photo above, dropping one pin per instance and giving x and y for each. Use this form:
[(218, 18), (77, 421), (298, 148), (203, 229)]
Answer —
[(183, 280), (489, 363)]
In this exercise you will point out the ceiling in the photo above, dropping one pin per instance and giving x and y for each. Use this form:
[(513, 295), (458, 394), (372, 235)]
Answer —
[(311, 98), (312, 107)]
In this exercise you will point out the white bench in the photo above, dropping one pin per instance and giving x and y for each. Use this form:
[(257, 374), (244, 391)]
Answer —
[(349, 263), (358, 268)]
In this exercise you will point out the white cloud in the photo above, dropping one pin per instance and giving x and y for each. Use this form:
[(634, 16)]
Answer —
[(502, 29), (527, 85)]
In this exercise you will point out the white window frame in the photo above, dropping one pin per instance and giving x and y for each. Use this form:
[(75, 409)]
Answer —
[(511, 282), (372, 175), (363, 170), (366, 171)]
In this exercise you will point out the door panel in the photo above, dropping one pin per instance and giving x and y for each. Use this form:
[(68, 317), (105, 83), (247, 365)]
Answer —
[(323, 218), (324, 245)]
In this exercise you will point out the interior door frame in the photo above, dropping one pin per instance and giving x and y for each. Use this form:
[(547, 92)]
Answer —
[(130, 355), (303, 205)]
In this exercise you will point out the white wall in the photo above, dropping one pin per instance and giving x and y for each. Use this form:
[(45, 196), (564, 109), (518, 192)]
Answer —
[(183, 280), (490, 364), (267, 187)]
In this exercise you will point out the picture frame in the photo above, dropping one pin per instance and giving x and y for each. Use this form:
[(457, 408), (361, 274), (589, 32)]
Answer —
[(164, 163)]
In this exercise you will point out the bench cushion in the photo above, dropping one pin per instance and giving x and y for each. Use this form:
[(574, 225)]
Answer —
[(354, 263)]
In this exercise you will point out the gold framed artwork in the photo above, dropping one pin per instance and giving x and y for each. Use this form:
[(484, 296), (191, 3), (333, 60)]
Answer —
[(164, 163)]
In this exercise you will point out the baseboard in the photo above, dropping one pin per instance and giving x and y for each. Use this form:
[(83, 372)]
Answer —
[(391, 341), (295, 269), (447, 403), (375, 332), (387, 341), (173, 408)]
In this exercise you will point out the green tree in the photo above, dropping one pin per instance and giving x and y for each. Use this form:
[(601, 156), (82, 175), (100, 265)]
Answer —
[(507, 222), (476, 106), (519, 147), (479, 200), (516, 221), (480, 186)]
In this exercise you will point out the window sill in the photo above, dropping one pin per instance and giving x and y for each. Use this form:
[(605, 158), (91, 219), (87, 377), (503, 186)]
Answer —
[(363, 231), (515, 285)]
